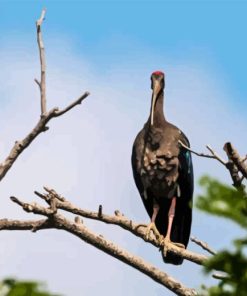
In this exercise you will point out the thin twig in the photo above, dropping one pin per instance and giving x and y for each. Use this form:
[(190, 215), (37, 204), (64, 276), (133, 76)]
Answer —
[(220, 276), (38, 83), (194, 152), (72, 105), (234, 164), (202, 244), (41, 46), (40, 127), (216, 156)]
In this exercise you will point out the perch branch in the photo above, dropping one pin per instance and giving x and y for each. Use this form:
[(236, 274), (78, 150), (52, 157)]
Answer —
[(119, 220), (57, 221)]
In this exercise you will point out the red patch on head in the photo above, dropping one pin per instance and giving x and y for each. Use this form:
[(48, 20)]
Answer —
[(159, 73)]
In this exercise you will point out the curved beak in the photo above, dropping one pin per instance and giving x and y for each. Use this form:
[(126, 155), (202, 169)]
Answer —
[(156, 90)]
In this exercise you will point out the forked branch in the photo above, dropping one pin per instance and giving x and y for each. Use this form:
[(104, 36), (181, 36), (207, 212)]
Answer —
[(57, 221), (119, 220), (235, 164), (46, 116)]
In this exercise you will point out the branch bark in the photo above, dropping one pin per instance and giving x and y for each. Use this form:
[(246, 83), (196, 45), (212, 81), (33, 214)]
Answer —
[(119, 220), (42, 83), (41, 126), (234, 156), (58, 221)]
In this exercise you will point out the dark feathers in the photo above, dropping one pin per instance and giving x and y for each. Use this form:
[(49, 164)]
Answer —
[(158, 182)]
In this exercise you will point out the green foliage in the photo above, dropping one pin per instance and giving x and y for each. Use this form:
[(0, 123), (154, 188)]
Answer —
[(222, 200), (12, 287)]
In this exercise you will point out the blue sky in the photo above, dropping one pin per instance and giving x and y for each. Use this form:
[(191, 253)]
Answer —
[(110, 49), (210, 32)]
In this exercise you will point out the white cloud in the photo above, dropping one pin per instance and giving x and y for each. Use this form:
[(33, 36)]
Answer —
[(86, 156)]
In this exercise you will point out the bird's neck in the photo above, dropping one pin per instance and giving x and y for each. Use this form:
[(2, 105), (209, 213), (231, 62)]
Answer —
[(159, 118)]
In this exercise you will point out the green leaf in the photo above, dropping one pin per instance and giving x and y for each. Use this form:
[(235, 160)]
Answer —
[(12, 287), (222, 200)]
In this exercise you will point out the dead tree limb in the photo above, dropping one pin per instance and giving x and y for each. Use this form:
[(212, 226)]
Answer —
[(42, 83), (234, 156), (119, 220), (45, 117), (235, 164), (55, 220), (203, 245)]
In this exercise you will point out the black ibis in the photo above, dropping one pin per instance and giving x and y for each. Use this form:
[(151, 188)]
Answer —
[(163, 174)]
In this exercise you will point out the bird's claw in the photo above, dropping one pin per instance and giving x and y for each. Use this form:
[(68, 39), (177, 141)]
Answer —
[(165, 243), (150, 228)]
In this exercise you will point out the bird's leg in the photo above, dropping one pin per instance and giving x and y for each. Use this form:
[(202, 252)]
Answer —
[(151, 226), (171, 215), (167, 240)]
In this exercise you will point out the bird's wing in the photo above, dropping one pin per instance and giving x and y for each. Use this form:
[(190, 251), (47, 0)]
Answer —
[(183, 213), (186, 177), (136, 161)]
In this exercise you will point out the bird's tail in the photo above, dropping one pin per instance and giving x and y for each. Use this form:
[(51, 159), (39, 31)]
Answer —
[(172, 258)]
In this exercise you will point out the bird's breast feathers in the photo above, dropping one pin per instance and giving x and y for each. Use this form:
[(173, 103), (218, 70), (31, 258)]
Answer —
[(157, 160)]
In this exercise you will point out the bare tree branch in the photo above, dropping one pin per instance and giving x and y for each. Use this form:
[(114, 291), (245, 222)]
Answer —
[(33, 225), (57, 221), (19, 146), (220, 276), (216, 156), (72, 105), (213, 155), (194, 152), (234, 156), (40, 127), (119, 220), (234, 165), (42, 83), (202, 244)]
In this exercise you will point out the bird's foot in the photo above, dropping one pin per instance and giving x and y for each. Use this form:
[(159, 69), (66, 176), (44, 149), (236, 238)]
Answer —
[(165, 243), (150, 228)]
